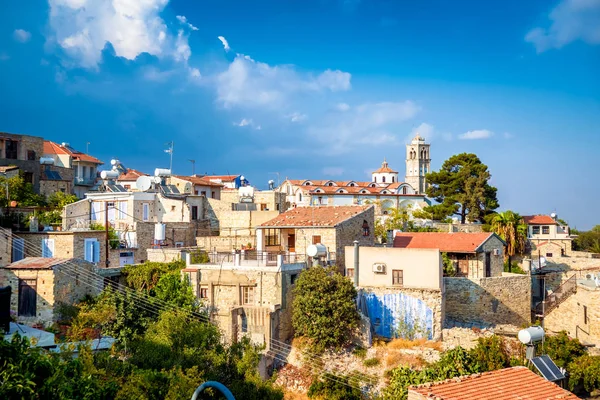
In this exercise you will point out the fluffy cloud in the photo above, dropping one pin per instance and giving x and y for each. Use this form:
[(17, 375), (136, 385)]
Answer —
[(250, 83), (571, 20), (247, 122), (424, 129), (21, 35), (225, 43), (183, 21), (476, 134), (297, 117), (82, 29)]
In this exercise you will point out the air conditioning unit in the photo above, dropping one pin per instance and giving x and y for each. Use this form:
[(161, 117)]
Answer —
[(379, 268), (496, 252)]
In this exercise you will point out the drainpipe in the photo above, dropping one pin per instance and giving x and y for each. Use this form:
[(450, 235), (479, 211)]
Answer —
[(356, 263)]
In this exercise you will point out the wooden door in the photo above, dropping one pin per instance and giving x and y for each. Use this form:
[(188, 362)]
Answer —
[(292, 243), (27, 297), (488, 264)]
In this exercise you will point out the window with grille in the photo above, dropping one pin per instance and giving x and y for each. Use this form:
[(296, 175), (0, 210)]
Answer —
[(545, 230), (536, 230), (248, 295), (272, 237), (204, 293), (397, 277)]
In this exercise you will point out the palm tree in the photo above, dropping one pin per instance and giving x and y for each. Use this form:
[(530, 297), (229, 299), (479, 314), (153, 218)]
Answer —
[(512, 229)]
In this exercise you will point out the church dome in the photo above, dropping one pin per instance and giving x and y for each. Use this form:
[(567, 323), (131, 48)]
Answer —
[(385, 169)]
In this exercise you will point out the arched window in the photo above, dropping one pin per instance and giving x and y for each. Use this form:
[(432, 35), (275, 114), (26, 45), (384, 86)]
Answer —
[(330, 184), (404, 190), (352, 185), (393, 179), (383, 179), (299, 196)]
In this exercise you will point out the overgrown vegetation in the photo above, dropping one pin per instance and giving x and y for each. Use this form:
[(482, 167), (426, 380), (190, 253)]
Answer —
[(324, 308), (334, 387), (587, 240), (198, 256), (113, 236), (515, 268)]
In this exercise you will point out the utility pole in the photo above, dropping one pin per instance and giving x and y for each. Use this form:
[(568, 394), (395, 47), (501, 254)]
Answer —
[(193, 166), (107, 262)]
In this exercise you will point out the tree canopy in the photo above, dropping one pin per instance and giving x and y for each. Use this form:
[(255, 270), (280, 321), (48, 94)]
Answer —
[(512, 229), (461, 187)]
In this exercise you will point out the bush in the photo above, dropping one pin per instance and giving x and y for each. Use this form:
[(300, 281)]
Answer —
[(584, 372), (334, 387), (199, 257), (371, 362), (360, 352), (515, 268), (324, 308), (562, 349)]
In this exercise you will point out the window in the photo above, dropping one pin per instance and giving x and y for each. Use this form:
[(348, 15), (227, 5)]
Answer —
[(247, 295), (585, 315), (535, 230), (320, 200), (350, 272), (214, 195), (173, 208), (383, 179), (397, 277), (365, 228), (27, 297), (272, 237), (127, 187), (11, 149), (404, 190), (122, 210), (545, 230), (18, 250), (30, 155), (83, 171), (549, 255), (92, 172), (194, 213), (203, 293), (316, 239), (299, 197), (92, 250), (48, 248), (393, 178), (145, 212), (293, 278), (330, 184), (178, 244), (203, 193), (28, 177)]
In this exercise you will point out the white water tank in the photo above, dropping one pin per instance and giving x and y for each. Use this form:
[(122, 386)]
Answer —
[(316, 250), (159, 232), (533, 334), (46, 160), (109, 174), (162, 172)]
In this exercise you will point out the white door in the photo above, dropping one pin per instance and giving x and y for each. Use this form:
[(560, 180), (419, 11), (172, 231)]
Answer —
[(18, 250), (48, 248)]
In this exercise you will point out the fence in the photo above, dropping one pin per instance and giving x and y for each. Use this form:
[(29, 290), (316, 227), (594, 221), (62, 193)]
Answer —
[(255, 258), (558, 296)]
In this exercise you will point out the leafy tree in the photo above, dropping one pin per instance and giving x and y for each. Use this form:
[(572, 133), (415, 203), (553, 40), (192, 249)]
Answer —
[(562, 349), (587, 241), (145, 277), (462, 188), (20, 191), (176, 291), (584, 372), (322, 295)]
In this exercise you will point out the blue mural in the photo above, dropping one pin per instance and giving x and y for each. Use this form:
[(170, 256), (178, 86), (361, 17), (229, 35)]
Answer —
[(394, 313)]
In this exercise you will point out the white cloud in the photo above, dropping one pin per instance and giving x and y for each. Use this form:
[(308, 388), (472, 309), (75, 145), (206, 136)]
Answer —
[(333, 171), (21, 35), (225, 43), (82, 29), (195, 73), (250, 83), (247, 122), (156, 75), (571, 20), (424, 129), (476, 134), (183, 20), (342, 107), (297, 117)]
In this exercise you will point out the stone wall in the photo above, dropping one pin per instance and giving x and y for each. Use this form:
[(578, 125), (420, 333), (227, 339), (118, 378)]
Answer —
[(26, 143), (349, 231), (470, 228), (165, 254), (5, 247), (76, 215), (496, 300), (66, 244), (554, 248), (579, 315), (225, 243), (477, 267)]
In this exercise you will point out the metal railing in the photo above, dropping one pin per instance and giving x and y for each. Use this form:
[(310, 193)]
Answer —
[(255, 258), (555, 298)]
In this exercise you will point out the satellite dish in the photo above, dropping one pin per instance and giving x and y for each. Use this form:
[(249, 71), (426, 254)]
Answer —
[(143, 183), (157, 180)]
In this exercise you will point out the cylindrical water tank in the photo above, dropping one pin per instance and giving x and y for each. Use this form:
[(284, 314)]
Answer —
[(159, 232), (109, 174), (162, 172), (316, 250), (532, 334), (46, 160)]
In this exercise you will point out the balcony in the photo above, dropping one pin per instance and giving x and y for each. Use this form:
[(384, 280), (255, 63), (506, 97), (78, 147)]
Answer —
[(252, 259), (80, 181)]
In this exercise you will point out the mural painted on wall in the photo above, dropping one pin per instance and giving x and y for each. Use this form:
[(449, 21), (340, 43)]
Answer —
[(398, 315)]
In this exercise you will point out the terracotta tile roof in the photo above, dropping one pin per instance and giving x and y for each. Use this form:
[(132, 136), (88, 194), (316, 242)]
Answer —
[(8, 168), (326, 216), (36, 263), (517, 383), (196, 180), (131, 175), (385, 169), (539, 220), (458, 242), (222, 178), (345, 184), (54, 148)]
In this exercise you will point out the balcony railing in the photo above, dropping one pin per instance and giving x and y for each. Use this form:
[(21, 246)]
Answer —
[(558, 296), (256, 258), (85, 181)]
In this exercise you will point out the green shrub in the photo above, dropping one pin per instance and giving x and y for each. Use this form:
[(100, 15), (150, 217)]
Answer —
[(360, 352), (516, 269), (584, 372), (562, 349), (371, 362), (334, 387), (198, 256)]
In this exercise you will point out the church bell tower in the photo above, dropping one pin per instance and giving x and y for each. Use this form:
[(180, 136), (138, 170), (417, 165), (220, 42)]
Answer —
[(418, 163)]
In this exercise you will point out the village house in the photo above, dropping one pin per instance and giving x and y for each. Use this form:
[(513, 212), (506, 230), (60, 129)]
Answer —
[(136, 218), (84, 166), (197, 186), (547, 236), (246, 295), (129, 178), (41, 285), (334, 227), (395, 285), (228, 181), (474, 255)]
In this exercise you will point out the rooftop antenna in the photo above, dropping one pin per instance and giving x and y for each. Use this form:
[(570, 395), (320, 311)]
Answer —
[(87, 147), (193, 166), (171, 144)]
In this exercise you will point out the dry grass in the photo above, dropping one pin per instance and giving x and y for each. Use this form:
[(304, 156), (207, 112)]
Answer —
[(400, 343), (396, 358)]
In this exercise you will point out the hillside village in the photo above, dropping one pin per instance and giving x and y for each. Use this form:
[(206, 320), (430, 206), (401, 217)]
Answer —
[(405, 272)]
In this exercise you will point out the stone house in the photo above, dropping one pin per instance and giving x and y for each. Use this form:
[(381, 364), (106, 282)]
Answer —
[(474, 255), (398, 284), (135, 217), (23, 151), (335, 227), (246, 296), (40, 285), (196, 185), (84, 166), (547, 237)]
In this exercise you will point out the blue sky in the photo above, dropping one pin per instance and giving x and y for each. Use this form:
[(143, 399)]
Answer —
[(317, 88)]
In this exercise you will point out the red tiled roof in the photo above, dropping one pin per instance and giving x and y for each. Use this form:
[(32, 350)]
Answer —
[(131, 175), (539, 220), (54, 148), (222, 178), (517, 383), (327, 216), (36, 263), (196, 180), (458, 242), (385, 169)]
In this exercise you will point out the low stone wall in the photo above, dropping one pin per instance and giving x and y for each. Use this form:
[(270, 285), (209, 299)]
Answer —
[(164, 255), (445, 227), (224, 243), (497, 300)]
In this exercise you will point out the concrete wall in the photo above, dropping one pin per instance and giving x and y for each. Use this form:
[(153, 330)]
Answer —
[(579, 315), (422, 268), (497, 300)]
